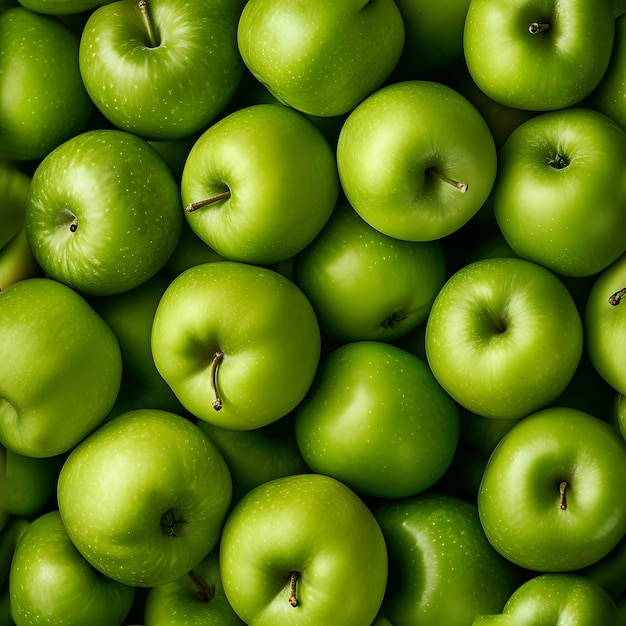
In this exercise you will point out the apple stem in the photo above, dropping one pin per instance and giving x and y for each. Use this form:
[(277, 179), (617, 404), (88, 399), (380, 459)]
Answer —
[(293, 600), (147, 20), (616, 298), (218, 357), (562, 488), (74, 225), (194, 206), (206, 594), (538, 27), (462, 187)]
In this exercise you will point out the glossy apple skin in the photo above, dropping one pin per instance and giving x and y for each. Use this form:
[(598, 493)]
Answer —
[(519, 497), (282, 176), (262, 323), (179, 602), (365, 285), (555, 598), (314, 525), (568, 218), (390, 141), (118, 487), (556, 68), (61, 368), (605, 326), (10, 536), (50, 582), (442, 568), (504, 337), (126, 203), (39, 68), (62, 7), (377, 420), (321, 58), (170, 90)]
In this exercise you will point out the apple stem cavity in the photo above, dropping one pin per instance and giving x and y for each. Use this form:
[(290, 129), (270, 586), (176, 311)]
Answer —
[(616, 298), (462, 187), (558, 162), (194, 206), (204, 592), (147, 20), (538, 27), (293, 578), (170, 522), (218, 357), (563, 502)]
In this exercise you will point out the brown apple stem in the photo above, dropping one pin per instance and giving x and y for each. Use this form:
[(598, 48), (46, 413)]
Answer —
[(206, 594), (293, 600), (562, 488), (538, 27), (215, 364), (147, 20), (74, 225), (616, 298), (462, 187), (194, 206)]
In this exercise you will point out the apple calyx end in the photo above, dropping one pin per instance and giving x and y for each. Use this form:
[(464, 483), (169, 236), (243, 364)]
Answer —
[(218, 357), (462, 187), (616, 298), (147, 20), (293, 579), (194, 206), (558, 162), (204, 592), (563, 501), (392, 320), (538, 27), (170, 522)]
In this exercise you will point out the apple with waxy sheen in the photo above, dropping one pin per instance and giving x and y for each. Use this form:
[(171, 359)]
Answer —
[(238, 344), (504, 337), (416, 160), (144, 497), (103, 212), (551, 497), (161, 69), (260, 184)]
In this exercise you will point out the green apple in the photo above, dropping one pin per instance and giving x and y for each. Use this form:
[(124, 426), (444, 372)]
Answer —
[(610, 571), (10, 536), (303, 550), (609, 97), (551, 495), (63, 8), (161, 70), (319, 57), (260, 184), (555, 598), (196, 599), (442, 569), (504, 337), (349, 261), (618, 413), (238, 344), (560, 191), (377, 420), (103, 212), (17, 261), (560, 50), (605, 324), (48, 102), (13, 189), (416, 160), (60, 370), (144, 497), (51, 583)]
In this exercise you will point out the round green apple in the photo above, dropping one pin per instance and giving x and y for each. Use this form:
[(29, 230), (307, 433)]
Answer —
[(51, 583), (319, 57), (560, 50), (303, 550), (504, 337), (551, 495), (442, 569), (377, 420), (416, 160), (161, 69), (366, 285), (260, 184), (103, 212), (560, 191), (60, 368), (238, 344), (144, 497), (44, 101)]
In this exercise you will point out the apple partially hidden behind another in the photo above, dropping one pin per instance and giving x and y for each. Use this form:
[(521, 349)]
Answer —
[(416, 160)]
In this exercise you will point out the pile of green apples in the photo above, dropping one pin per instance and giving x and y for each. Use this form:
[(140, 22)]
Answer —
[(310, 312)]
